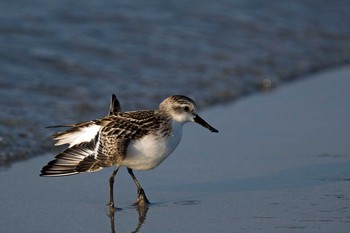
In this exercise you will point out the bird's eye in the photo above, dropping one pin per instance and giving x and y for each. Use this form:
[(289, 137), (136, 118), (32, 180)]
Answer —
[(186, 109)]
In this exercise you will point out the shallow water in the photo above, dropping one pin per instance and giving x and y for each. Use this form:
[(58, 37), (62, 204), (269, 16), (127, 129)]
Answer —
[(61, 60)]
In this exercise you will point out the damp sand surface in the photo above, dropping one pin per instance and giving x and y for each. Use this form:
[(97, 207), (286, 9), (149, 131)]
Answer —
[(279, 164)]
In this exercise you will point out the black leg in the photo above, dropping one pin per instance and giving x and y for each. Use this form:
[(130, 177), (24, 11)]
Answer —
[(141, 198), (111, 183)]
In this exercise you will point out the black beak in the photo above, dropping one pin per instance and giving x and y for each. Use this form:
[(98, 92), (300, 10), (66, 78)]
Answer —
[(203, 123)]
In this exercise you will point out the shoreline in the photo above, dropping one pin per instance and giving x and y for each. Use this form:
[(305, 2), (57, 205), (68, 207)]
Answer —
[(7, 159), (61, 66), (279, 163)]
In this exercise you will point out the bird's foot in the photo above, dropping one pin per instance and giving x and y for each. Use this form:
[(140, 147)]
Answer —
[(141, 199)]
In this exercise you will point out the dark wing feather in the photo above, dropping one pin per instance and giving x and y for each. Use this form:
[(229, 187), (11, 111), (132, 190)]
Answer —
[(112, 151), (68, 161), (115, 137), (107, 148)]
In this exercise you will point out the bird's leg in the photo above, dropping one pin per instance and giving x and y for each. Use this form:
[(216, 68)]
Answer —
[(111, 183), (141, 198)]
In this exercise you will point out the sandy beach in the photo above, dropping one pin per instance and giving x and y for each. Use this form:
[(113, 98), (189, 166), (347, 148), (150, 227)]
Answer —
[(281, 163)]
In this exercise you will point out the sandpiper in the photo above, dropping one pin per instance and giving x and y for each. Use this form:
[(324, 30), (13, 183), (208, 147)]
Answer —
[(137, 140)]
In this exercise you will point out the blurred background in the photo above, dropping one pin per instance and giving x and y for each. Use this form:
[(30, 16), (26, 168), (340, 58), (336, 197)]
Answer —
[(60, 61)]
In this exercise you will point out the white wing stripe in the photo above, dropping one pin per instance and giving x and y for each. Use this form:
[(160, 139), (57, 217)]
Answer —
[(85, 134)]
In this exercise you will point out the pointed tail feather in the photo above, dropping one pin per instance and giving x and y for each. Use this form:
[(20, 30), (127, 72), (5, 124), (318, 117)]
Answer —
[(114, 106)]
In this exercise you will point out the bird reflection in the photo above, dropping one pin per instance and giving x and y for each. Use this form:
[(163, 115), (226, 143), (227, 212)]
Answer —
[(142, 212)]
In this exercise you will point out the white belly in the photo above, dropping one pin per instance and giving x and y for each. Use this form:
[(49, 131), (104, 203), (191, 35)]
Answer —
[(148, 152)]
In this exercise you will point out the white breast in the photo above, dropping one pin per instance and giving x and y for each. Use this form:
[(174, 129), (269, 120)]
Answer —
[(148, 152)]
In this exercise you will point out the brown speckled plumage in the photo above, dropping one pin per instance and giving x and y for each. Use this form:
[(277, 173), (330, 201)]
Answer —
[(138, 140)]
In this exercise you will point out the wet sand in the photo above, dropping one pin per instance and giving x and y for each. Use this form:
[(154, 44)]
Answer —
[(279, 164)]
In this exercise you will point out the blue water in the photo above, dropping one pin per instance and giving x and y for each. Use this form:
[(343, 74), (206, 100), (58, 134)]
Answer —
[(61, 60)]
